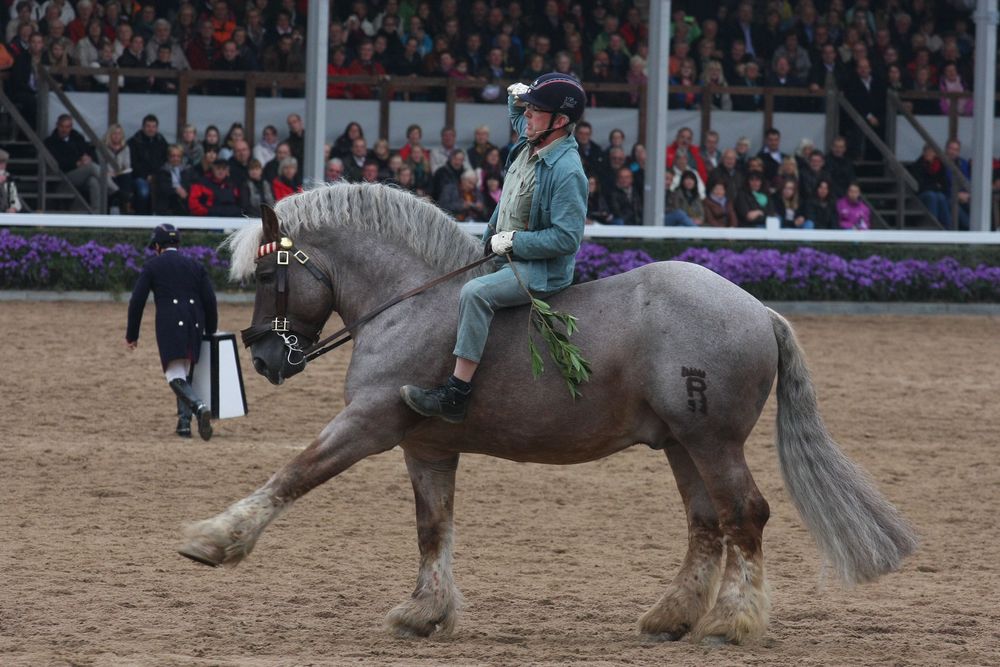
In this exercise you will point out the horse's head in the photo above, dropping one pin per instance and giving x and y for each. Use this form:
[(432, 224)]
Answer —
[(294, 299)]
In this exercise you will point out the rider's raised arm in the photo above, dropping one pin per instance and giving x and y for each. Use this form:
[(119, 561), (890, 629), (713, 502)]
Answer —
[(516, 113)]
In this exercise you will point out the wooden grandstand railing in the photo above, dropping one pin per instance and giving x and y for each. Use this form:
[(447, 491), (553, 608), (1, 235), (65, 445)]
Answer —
[(189, 81)]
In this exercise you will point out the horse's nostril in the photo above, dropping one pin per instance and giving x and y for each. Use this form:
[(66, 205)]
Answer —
[(259, 365)]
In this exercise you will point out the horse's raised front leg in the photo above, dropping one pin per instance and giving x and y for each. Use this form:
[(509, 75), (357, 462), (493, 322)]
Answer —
[(363, 429), (691, 593), (434, 604), (742, 606)]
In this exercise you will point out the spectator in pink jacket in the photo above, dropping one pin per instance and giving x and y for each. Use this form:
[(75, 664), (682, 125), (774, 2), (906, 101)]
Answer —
[(853, 213), (951, 82)]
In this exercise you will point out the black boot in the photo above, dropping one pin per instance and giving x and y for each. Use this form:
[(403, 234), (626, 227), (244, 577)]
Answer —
[(183, 419), (449, 401), (185, 392)]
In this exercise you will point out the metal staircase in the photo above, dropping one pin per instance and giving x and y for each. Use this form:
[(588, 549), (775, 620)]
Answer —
[(893, 204), (38, 188), (41, 185), (887, 185)]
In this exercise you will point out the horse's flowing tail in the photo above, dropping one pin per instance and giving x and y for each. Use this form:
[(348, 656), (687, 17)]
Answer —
[(858, 532)]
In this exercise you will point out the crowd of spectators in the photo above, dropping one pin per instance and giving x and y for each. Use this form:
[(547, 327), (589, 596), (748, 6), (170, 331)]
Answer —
[(209, 173), (862, 47), (712, 186), (216, 173), (907, 44)]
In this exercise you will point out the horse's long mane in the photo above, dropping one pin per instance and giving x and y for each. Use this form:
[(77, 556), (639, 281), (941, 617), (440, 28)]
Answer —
[(384, 210)]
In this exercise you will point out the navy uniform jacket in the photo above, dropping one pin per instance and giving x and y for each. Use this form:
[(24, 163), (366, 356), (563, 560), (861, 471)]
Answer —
[(185, 305)]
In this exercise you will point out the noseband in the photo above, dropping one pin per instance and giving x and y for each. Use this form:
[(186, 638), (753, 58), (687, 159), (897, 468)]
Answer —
[(281, 324)]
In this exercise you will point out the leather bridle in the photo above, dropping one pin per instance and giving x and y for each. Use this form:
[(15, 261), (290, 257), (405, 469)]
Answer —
[(283, 326)]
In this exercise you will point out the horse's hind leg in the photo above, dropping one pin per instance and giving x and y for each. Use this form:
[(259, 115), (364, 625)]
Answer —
[(742, 606), (434, 604), (692, 591)]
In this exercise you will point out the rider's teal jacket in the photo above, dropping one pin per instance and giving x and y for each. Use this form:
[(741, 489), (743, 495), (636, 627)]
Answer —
[(546, 251)]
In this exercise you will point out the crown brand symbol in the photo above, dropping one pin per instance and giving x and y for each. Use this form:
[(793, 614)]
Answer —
[(568, 103)]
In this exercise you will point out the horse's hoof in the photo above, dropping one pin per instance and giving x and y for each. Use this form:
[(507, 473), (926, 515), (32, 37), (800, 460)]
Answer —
[(716, 640), (416, 618), (403, 626), (411, 632), (210, 555), (660, 637)]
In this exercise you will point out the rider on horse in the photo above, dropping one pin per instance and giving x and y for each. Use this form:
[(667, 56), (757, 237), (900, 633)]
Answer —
[(539, 222)]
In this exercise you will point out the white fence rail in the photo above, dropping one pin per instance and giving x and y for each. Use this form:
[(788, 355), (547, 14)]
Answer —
[(772, 233)]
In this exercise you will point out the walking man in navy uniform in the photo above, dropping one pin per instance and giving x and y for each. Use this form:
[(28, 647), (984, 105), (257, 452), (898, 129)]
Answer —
[(185, 311)]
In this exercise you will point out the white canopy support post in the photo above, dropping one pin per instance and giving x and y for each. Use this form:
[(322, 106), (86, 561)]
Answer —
[(986, 18), (317, 38), (656, 113)]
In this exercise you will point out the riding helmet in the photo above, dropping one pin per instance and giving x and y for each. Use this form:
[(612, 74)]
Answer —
[(164, 235), (557, 93)]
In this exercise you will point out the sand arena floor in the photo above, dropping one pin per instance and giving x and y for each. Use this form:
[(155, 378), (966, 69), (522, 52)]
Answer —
[(556, 563)]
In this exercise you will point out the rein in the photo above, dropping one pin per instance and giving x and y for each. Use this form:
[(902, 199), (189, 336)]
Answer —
[(283, 325), (330, 341)]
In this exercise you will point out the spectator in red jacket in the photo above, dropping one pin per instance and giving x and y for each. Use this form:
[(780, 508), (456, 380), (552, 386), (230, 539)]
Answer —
[(634, 31), (685, 142), (222, 23), (77, 28), (363, 65), (287, 181), (337, 67), (202, 50), (215, 194)]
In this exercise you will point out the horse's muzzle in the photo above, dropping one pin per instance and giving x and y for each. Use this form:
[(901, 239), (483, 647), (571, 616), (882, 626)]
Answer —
[(273, 359), (275, 377)]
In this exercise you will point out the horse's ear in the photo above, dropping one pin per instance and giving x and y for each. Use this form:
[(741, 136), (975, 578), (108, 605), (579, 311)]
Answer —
[(269, 221)]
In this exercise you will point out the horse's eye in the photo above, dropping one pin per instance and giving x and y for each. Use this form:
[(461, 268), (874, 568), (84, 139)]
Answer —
[(265, 277)]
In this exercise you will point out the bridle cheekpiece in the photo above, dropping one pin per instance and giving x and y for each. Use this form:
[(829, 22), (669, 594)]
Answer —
[(281, 324)]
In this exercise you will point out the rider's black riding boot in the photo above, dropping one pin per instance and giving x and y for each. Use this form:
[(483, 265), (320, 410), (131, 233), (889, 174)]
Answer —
[(449, 401), (183, 419), (185, 392)]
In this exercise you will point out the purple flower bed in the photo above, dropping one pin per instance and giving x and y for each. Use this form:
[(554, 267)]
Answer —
[(808, 274), (44, 261)]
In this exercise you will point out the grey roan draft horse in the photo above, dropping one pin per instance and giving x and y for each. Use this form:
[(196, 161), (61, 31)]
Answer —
[(682, 359)]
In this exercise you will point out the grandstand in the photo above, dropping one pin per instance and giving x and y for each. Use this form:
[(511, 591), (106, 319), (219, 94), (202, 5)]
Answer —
[(870, 93)]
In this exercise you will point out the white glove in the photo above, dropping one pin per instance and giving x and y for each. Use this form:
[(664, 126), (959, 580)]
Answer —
[(517, 89), (502, 243)]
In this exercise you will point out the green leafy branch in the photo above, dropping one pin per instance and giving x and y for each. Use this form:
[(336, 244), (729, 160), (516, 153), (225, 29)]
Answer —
[(568, 358)]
